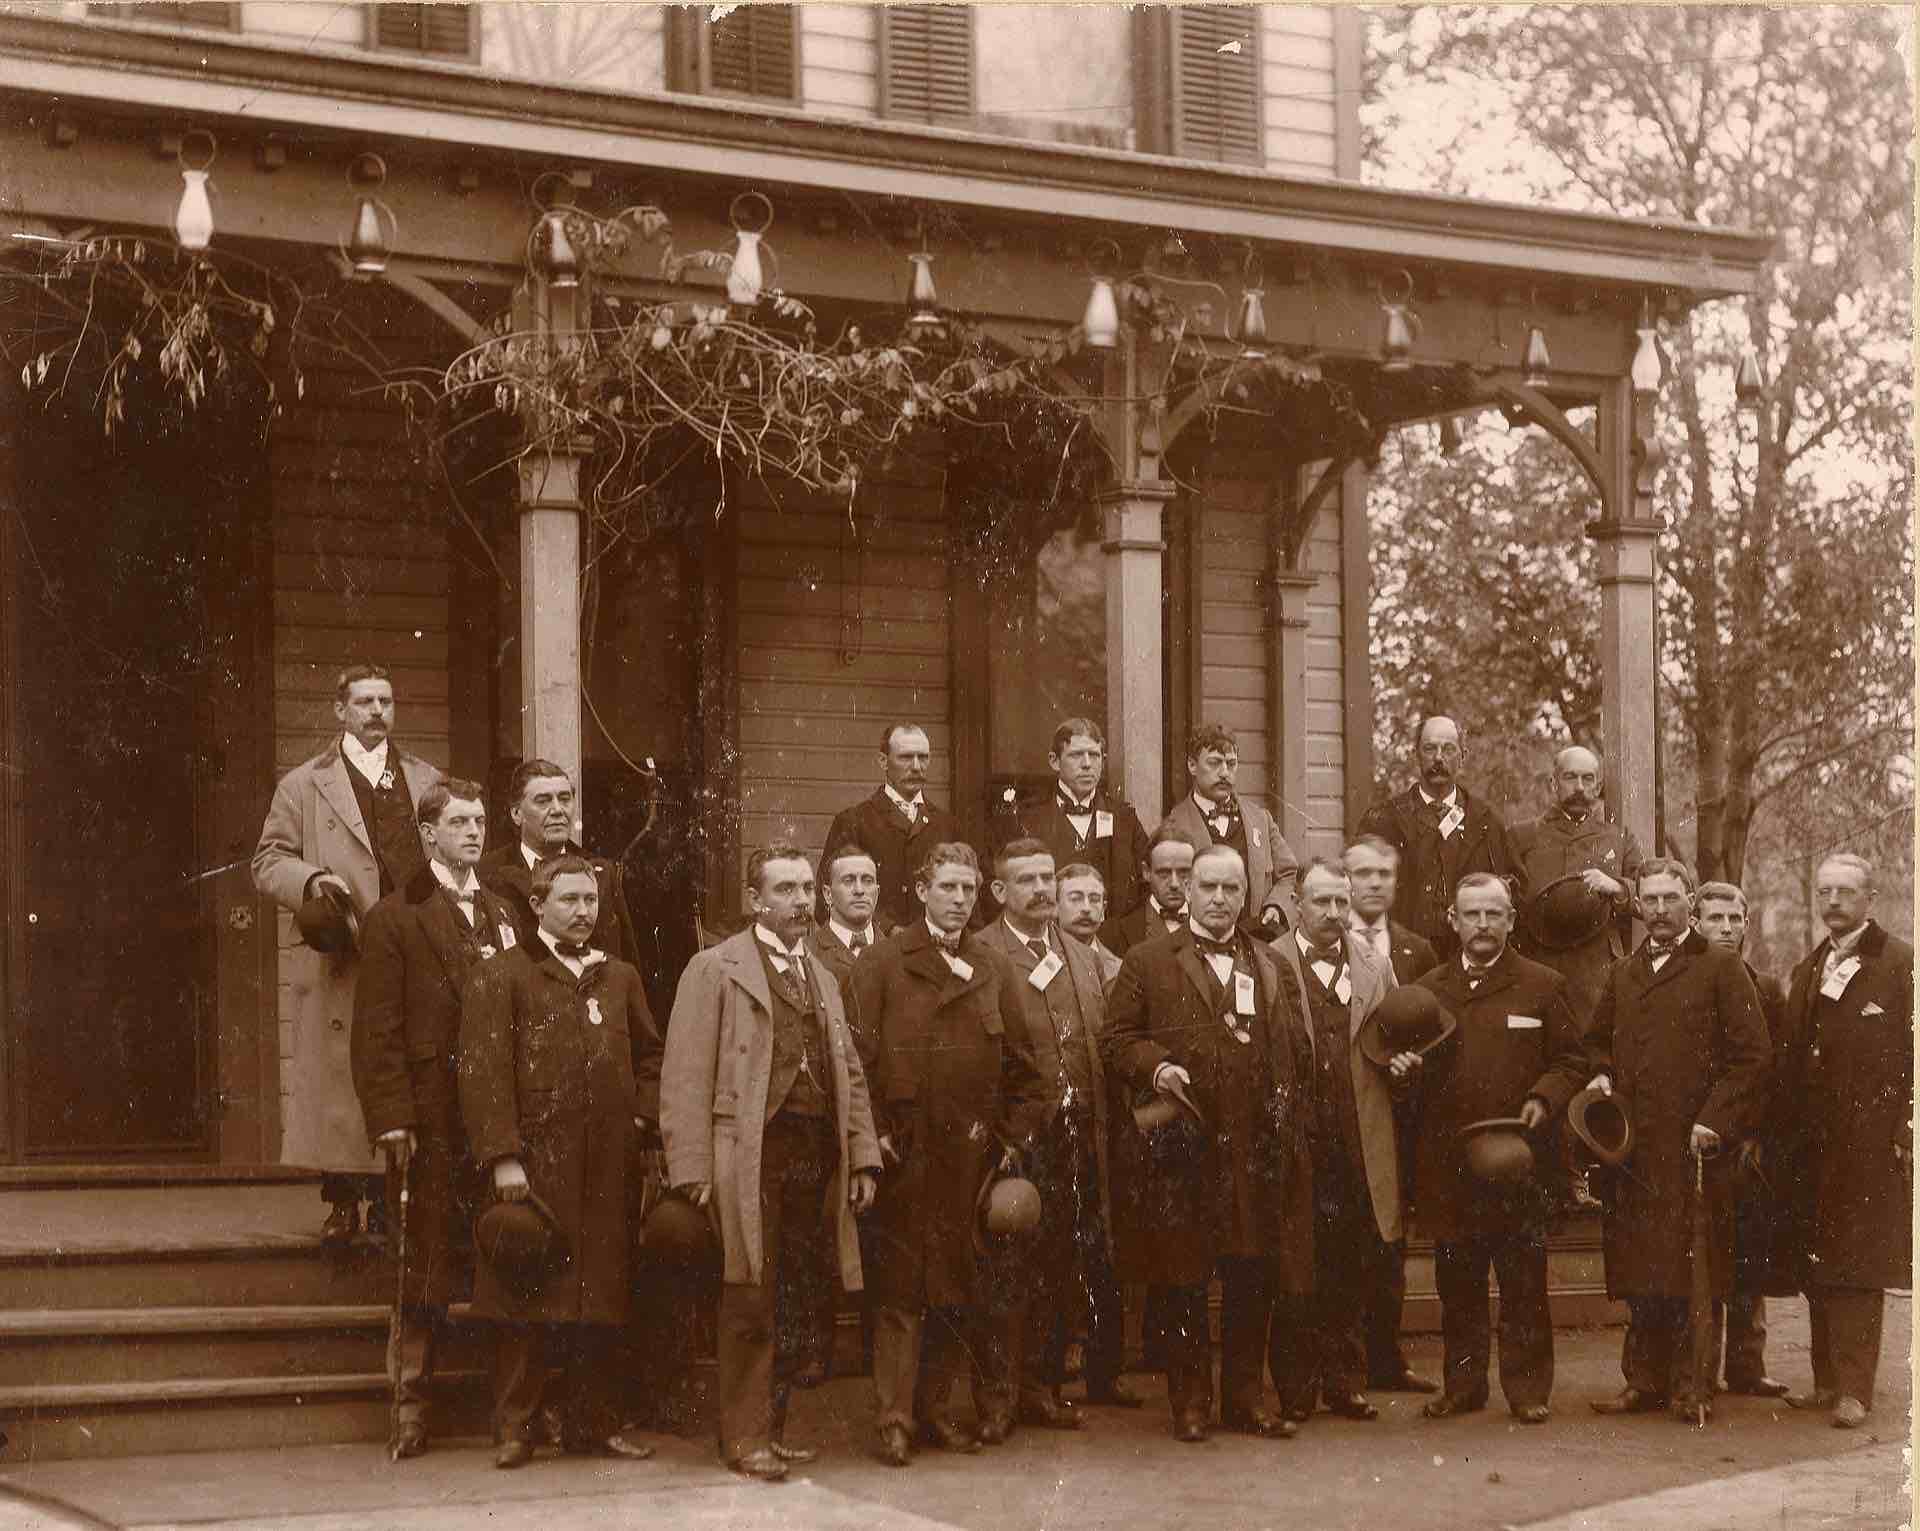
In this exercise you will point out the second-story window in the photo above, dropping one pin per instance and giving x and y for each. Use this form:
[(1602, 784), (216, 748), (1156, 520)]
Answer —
[(1199, 81), (926, 63), (437, 31), (187, 13), (753, 50)]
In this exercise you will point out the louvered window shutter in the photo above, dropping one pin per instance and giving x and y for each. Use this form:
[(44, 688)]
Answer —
[(926, 72), (1215, 102), (438, 31), (751, 52), (188, 13)]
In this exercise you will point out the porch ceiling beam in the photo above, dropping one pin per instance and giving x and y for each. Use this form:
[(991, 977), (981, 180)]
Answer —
[(143, 71)]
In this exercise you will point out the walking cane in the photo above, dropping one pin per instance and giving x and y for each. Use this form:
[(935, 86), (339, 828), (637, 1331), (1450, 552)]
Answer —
[(395, 1354), (1706, 1363)]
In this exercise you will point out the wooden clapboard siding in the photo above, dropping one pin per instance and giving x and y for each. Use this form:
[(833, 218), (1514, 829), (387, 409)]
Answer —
[(840, 59), (1300, 98), (1326, 685), (809, 722)]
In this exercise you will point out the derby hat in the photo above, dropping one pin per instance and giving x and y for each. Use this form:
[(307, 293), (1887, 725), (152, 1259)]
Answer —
[(1006, 1208), (1162, 1108), (327, 921), (1410, 1019), (1565, 913), (1602, 1126), (679, 1234), (1498, 1152), (522, 1244)]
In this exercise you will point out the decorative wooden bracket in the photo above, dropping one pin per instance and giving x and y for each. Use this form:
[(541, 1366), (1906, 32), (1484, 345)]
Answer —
[(1294, 528), (1537, 407)]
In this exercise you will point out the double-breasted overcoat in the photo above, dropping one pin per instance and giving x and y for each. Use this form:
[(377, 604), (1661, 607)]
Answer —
[(315, 825), (714, 1083), (547, 1077), (1432, 864), (1682, 1045)]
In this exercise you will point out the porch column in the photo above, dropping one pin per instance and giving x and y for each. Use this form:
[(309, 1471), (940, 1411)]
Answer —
[(1136, 650), (550, 608), (1627, 536), (1287, 702)]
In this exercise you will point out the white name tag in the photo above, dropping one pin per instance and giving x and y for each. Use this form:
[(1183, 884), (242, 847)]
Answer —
[(1253, 837), (962, 969), (1243, 994), (1524, 1023), (507, 942), (1837, 981), (1043, 972), (1102, 825), (1451, 821), (593, 1009)]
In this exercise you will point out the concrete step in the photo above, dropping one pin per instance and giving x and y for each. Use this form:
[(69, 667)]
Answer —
[(226, 1274), (72, 1346), (52, 1423)]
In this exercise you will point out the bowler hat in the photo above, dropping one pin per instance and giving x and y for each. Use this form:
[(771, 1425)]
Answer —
[(1601, 1124), (521, 1243), (1007, 1207), (678, 1233), (1565, 913), (327, 921), (1410, 1019), (1161, 1108), (1498, 1151)]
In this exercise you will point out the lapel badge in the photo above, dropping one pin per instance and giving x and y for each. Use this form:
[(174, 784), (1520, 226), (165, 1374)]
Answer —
[(486, 950), (386, 779), (593, 1009), (1253, 837)]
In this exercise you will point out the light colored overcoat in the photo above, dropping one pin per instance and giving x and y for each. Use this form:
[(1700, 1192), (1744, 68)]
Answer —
[(713, 1099), (314, 825)]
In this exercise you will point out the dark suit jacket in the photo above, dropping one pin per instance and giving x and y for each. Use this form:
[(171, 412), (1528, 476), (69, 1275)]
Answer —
[(504, 870), (1430, 867), (1550, 848), (1116, 856), (1846, 1100), (1686, 1044), (897, 847), (1142, 923), (1487, 1069), (1412, 955)]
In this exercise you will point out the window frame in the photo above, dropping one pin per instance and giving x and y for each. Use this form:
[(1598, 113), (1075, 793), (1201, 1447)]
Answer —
[(889, 19), (1158, 88), (689, 60), (471, 55)]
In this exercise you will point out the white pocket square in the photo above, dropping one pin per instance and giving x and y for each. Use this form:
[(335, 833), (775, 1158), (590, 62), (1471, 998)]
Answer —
[(1872, 1009)]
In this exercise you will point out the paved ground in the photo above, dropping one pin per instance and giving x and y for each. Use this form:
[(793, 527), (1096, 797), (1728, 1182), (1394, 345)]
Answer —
[(1756, 1465)]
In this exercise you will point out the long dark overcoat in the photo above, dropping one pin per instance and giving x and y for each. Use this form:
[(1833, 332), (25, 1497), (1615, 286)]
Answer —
[(1117, 855), (547, 1076), (1687, 1044), (952, 1078), (1762, 1260), (1517, 1037), (416, 955), (1554, 846), (1847, 1089), (1184, 1197), (1431, 866)]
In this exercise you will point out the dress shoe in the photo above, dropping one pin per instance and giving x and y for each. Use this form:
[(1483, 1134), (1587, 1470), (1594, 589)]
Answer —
[(1351, 1406), (410, 1442), (618, 1445), (796, 1456), (1117, 1394), (1405, 1382), (1759, 1387), (1818, 1398), (948, 1436), (342, 1223), (1690, 1411), (1629, 1400), (1531, 1413), (1192, 1429), (761, 1464), (995, 1428), (1849, 1413), (895, 1449), (1446, 1406), (1268, 1426), (1051, 1413), (514, 1453)]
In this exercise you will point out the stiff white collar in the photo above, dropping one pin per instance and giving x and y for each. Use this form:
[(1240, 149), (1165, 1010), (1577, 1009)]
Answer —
[(461, 888), (918, 800), (844, 934), (370, 763)]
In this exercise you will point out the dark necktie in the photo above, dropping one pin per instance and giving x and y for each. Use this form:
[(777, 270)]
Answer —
[(859, 942), (1214, 948), (1474, 975), (948, 944), (572, 948), (1038, 946)]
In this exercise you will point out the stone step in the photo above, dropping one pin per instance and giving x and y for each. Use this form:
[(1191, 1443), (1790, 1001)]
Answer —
[(72, 1346), (224, 1274), (52, 1423)]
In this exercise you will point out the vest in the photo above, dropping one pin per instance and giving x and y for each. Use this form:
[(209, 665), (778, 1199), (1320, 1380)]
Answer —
[(1336, 1119), (799, 1079), (392, 826)]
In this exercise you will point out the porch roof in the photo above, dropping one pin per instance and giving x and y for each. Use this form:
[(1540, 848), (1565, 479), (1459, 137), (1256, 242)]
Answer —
[(323, 90)]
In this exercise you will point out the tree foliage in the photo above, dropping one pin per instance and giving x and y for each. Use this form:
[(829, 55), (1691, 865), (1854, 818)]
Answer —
[(1786, 597)]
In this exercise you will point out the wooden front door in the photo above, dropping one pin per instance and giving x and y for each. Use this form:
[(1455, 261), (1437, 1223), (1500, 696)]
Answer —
[(129, 688)]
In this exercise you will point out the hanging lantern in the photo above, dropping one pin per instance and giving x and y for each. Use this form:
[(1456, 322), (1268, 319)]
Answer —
[(370, 241), (1747, 383), (193, 218), (1398, 327), (1253, 325), (1536, 363), (1646, 362), (751, 216), (1101, 321), (923, 299), (553, 257)]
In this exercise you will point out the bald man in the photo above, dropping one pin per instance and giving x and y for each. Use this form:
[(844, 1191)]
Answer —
[(1575, 839)]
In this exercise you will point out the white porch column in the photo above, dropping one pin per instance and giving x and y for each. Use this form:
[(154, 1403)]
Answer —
[(1627, 536), (550, 608), (1287, 703), (1136, 651)]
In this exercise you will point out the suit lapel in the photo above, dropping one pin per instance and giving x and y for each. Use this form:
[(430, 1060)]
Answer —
[(1370, 982), (331, 781), (744, 967), (1191, 963), (439, 923)]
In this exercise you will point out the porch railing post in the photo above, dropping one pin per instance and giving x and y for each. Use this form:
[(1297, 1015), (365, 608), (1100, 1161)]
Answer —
[(550, 608)]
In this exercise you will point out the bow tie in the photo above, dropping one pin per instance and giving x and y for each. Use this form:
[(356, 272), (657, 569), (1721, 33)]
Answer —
[(1327, 954), (1072, 809), (1659, 949), (1474, 974), (948, 944), (1211, 947), (572, 948), (859, 941)]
